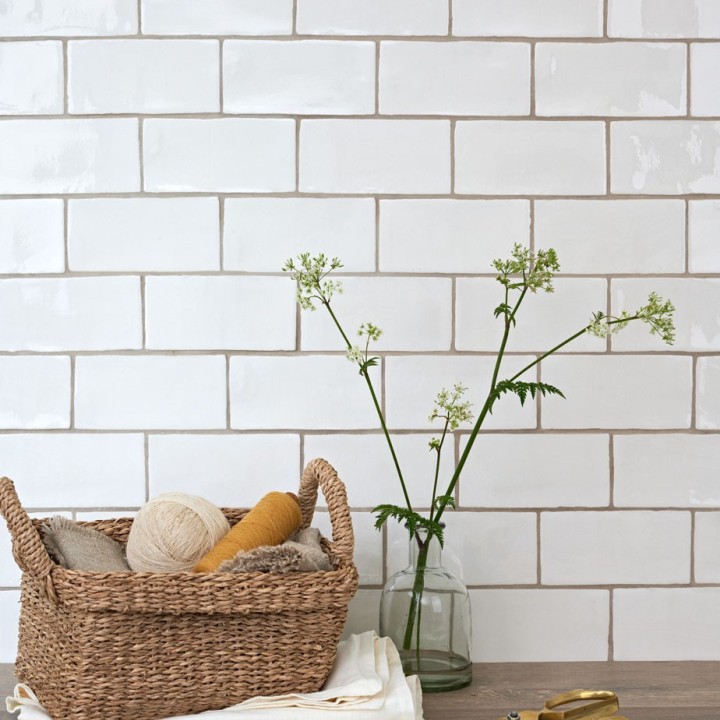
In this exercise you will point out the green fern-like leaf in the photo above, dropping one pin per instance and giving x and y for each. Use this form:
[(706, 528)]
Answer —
[(411, 519)]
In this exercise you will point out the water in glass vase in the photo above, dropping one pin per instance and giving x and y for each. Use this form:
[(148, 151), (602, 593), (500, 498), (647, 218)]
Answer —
[(425, 610)]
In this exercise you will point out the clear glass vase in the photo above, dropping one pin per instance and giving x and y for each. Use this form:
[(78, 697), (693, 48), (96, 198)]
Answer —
[(425, 610)]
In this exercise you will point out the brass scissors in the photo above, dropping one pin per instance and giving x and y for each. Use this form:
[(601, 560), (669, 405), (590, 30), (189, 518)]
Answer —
[(604, 704)]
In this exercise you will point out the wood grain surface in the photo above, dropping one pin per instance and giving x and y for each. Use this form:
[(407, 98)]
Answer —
[(647, 691)]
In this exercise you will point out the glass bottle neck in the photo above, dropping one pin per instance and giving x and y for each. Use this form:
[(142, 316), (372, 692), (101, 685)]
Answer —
[(432, 548)]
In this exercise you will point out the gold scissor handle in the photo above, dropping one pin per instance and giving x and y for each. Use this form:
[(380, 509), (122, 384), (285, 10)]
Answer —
[(606, 704)]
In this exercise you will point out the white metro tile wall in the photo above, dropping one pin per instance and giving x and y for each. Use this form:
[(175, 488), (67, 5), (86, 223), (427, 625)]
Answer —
[(161, 159)]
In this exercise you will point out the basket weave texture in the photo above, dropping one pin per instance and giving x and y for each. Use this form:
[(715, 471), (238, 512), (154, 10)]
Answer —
[(142, 646)]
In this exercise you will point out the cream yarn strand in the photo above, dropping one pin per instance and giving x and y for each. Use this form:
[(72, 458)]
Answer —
[(173, 531)]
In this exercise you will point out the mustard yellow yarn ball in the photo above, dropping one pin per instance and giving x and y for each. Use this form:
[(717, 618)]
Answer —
[(172, 532)]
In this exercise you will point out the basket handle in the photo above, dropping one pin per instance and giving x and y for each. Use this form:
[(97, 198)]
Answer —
[(27, 547), (320, 473)]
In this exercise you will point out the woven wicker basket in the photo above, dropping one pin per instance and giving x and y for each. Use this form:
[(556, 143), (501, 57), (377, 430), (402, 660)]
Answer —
[(115, 646)]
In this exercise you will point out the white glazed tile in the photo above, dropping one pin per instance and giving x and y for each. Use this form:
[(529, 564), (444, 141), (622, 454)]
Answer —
[(412, 383), (656, 624), (707, 541), (663, 18), (151, 234), (150, 392), (662, 470), (480, 548), (708, 393), (313, 392), (696, 319), (372, 17), (261, 233), (224, 155), (618, 236), (217, 17), (623, 78), (704, 61), (219, 313), (10, 614), (704, 236), (229, 470), (667, 157), (521, 470), (34, 392), (633, 547), (31, 236), (69, 156), (363, 613), (472, 234), (43, 314), (303, 77), (540, 625), (368, 544), (31, 78), (498, 157), (91, 515), (68, 17), (76, 469), (459, 78), (494, 548), (618, 391), (374, 480), (413, 313), (143, 76), (542, 321), (528, 18), (375, 156)]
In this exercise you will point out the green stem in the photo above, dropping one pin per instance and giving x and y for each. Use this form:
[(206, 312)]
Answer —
[(437, 466), (417, 592), (488, 405), (366, 375)]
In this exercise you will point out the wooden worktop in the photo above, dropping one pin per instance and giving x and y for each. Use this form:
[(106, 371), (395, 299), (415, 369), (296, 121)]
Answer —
[(647, 691)]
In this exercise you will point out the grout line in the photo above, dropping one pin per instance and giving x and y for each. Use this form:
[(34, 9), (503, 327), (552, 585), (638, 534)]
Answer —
[(611, 626), (453, 314), (383, 365), (538, 540), (302, 454), (693, 398), (143, 313), (139, 17), (608, 176), (439, 38), (687, 236), (611, 469), (538, 399), (532, 226), (141, 150), (66, 78), (377, 79), (228, 423), (450, 18), (297, 155), (606, 12), (146, 450), (453, 132), (533, 47), (608, 312), (294, 18), (221, 76), (221, 232), (692, 547), (66, 243), (72, 392), (377, 234), (688, 81)]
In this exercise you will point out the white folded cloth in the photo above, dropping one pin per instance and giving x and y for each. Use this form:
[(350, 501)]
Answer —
[(366, 683)]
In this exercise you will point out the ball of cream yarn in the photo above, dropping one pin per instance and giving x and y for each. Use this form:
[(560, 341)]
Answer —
[(172, 532)]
